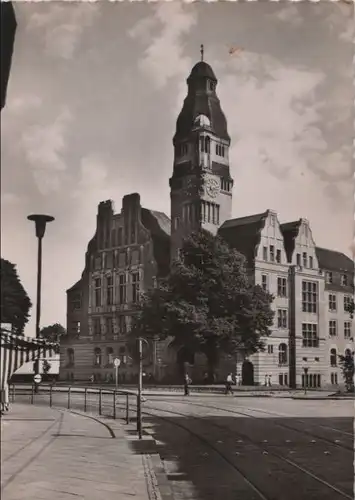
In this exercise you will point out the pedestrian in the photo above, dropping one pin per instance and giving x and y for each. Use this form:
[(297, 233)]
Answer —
[(266, 381), (269, 381), (92, 379), (237, 379), (187, 382), (229, 383), (205, 378)]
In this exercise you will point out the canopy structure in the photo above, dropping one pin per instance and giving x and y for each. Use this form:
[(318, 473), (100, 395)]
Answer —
[(17, 350)]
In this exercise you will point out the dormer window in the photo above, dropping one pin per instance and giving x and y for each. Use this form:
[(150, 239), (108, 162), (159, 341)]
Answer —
[(344, 280), (182, 149), (211, 85), (329, 277)]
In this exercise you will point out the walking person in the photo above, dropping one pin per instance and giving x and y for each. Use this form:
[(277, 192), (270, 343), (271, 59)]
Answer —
[(187, 382), (269, 381), (237, 379), (229, 383)]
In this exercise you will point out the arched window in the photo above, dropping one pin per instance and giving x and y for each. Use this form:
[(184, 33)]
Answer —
[(283, 354), (333, 357), (207, 144), (97, 356), (70, 357), (109, 354)]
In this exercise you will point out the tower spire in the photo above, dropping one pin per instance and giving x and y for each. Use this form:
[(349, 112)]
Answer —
[(202, 50)]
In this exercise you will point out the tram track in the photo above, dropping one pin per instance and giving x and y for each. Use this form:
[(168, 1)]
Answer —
[(264, 457), (278, 424)]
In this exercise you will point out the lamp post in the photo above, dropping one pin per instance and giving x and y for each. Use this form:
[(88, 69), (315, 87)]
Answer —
[(40, 224), (305, 370), (140, 385)]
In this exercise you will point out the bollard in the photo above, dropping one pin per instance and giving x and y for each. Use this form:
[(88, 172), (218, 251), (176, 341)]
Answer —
[(32, 394), (100, 401), (114, 405), (85, 397), (13, 393), (127, 408), (69, 388), (50, 395)]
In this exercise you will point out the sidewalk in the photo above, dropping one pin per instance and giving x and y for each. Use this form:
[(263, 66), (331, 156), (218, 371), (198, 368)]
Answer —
[(47, 453)]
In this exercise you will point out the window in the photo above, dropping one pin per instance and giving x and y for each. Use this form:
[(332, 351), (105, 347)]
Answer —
[(332, 327), (333, 357), (282, 287), (344, 280), (311, 262), (109, 285), (110, 355), (205, 143), (329, 277), (76, 302), (122, 288), (304, 258), (332, 302), (96, 326), (347, 303), (219, 150), (283, 354), (210, 85), (283, 379), (120, 236), (109, 327), (70, 357), (97, 356), (282, 318), (270, 349), (76, 328), (135, 288), (278, 256), (264, 253), (98, 263), (122, 259), (109, 260), (272, 253), (309, 335), (122, 324), (309, 296), (97, 292), (264, 284), (334, 378), (298, 259), (210, 212), (347, 329)]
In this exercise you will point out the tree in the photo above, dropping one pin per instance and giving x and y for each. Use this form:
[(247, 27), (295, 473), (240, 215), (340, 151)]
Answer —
[(347, 367), (15, 303), (350, 307), (53, 332), (46, 366), (207, 304)]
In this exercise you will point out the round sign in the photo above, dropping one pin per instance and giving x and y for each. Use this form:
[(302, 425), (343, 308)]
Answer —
[(117, 362), (37, 378)]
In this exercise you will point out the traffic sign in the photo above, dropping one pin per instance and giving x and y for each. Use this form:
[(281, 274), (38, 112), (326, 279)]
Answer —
[(37, 378), (116, 362)]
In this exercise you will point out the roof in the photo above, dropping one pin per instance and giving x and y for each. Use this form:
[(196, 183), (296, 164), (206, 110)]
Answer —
[(158, 224), (199, 101), (163, 221), (333, 260), (76, 285), (289, 231), (202, 70), (243, 233)]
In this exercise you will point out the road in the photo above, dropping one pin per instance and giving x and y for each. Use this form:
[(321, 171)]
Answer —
[(250, 448)]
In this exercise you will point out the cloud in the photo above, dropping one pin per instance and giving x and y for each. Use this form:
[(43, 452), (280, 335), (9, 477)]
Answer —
[(272, 113), (44, 146), (289, 14), (61, 26), (163, 57), (9, 199)]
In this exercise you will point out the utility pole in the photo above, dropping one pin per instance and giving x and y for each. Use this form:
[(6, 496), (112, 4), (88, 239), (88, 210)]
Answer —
[(140, 384)]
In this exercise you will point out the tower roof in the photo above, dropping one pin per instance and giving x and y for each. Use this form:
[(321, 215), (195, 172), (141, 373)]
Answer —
[(202, 70), (201, 100)]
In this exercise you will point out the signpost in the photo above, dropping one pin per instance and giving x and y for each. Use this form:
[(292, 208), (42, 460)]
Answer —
[(116, 364), (37, 378)]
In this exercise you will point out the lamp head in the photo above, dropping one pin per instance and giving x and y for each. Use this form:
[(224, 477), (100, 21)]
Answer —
[(40, 221)]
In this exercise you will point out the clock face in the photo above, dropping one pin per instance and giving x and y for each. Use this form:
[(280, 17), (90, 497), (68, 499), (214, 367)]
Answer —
[(212, 187)]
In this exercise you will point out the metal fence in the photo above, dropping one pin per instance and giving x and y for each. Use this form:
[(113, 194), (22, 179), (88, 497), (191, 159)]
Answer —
[(108, 403)]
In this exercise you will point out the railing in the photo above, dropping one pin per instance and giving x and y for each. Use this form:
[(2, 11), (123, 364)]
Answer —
[(101, 401)]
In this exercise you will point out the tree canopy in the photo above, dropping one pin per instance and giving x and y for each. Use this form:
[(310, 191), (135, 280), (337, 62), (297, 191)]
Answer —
[(207, 304), (53, 332), (346, 363), (15, 303)]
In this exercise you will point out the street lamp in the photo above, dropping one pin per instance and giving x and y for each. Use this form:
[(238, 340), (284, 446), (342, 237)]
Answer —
[(140, 384), (40, 224), (305, 369)]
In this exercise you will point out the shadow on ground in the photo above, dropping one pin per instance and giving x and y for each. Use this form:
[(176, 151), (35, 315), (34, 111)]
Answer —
[(207, 458)]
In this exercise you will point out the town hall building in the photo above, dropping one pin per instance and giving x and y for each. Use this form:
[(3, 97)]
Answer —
[(132, 249)]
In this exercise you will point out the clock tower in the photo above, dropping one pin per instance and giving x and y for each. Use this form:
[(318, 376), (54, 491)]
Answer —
[(201, 185)]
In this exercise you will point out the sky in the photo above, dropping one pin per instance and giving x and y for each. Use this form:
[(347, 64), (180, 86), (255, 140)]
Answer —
[(94, 94)]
